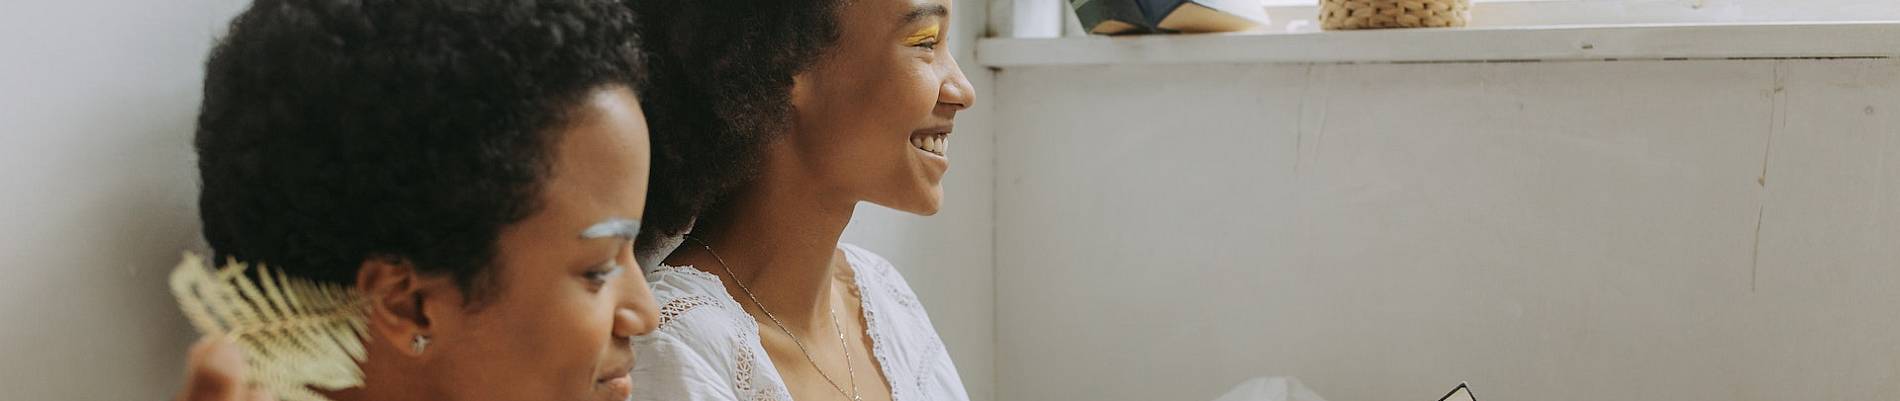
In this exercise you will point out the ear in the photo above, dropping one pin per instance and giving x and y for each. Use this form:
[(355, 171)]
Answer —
[(801, 93), (402, 301)]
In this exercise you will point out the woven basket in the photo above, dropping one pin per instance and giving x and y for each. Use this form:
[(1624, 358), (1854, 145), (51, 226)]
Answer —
[(1383, 14)]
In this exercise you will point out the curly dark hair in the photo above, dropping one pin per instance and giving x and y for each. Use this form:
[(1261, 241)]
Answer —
[(720, 89), (333, 131)]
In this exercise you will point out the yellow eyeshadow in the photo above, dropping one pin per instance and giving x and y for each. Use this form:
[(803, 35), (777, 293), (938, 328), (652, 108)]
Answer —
[(924, 35)]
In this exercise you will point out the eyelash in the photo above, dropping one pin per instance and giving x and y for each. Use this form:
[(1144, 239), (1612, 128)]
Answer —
[(599, 275), (928, 44)]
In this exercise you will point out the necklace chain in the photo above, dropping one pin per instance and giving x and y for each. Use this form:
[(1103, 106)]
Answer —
[(854, 395)]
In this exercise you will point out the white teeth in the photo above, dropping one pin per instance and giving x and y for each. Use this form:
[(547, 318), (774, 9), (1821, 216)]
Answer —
[(938, 144)]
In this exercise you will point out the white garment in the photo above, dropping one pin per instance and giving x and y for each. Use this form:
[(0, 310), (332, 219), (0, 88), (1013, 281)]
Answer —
[(707, 347)]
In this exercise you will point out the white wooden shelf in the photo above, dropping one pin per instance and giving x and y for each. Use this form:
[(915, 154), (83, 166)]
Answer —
[(1700, 41)]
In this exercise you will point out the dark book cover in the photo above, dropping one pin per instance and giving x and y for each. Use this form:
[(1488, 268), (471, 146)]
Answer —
[(1115, 17), (1111, 17)]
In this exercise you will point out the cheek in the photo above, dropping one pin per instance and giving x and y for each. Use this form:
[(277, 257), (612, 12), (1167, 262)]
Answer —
[(919, 91), (863, 128), (562, 334), (902, 104), (902, 92), (586, 320)]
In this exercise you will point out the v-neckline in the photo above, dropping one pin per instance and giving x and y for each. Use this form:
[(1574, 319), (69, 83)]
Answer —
[(867, 313)]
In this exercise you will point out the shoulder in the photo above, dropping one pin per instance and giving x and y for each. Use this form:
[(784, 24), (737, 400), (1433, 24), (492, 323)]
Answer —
[(696, 347), (706, 346), (692, 302)]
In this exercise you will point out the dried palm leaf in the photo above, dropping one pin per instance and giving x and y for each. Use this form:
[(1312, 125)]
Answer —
[(298, 334)]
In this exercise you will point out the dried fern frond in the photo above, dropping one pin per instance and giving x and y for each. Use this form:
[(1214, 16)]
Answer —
[(298, 334)]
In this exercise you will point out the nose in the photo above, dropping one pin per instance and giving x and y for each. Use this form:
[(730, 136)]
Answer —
[(956, 91), (636, 314)]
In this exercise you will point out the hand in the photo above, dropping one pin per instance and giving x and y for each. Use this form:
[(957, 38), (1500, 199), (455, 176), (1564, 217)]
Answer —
[(215, 371)]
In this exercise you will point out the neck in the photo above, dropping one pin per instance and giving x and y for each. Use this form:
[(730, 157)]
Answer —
[(778, 237)]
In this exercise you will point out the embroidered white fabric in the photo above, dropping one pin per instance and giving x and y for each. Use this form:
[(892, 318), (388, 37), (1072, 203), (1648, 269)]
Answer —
[(707, 348)]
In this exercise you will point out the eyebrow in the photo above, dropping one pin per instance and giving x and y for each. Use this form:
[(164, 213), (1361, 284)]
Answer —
[(928, 10), (613, 228)]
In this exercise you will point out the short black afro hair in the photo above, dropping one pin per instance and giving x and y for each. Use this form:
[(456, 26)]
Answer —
[(720, 90), (333, 131)]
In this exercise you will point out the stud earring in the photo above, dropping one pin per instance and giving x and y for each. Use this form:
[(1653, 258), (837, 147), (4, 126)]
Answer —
[(419, 343)]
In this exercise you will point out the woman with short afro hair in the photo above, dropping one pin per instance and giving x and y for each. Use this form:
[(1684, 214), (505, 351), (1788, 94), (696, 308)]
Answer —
[(473, 169)]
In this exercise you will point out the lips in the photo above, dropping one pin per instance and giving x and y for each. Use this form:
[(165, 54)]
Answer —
[(620, 388), (617, 378), (618, 381), (616, 371)]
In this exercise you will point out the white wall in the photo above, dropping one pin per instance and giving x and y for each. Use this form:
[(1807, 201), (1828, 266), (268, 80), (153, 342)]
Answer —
[(949, 258), (1657, 230), (95, 155)]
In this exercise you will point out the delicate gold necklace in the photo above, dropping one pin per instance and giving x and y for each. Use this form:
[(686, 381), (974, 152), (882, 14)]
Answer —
[(854, 395)]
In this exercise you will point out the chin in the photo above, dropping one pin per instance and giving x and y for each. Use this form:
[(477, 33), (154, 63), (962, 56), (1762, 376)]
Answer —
[(925, 203), (922, 208)]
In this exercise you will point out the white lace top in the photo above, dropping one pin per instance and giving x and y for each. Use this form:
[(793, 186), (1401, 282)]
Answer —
[(707, 347)]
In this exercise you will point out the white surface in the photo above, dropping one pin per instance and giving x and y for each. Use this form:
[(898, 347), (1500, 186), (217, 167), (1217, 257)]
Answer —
[(949, 258), (1832, 39), (1270, 389), (1672, 230), (97, 107), (1029, 18)]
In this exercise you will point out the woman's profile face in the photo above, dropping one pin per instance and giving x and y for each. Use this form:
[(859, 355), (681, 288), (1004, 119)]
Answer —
[(874, 116), (568, 295)]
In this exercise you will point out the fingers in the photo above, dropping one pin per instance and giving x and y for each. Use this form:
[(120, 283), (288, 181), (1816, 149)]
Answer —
[(214, 371)]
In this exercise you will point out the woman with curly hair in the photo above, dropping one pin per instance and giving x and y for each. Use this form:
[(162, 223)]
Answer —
[(475, 169), (772, 121)]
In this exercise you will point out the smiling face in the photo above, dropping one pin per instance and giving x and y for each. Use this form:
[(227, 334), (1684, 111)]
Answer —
[(874, 117), (569, 296)]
